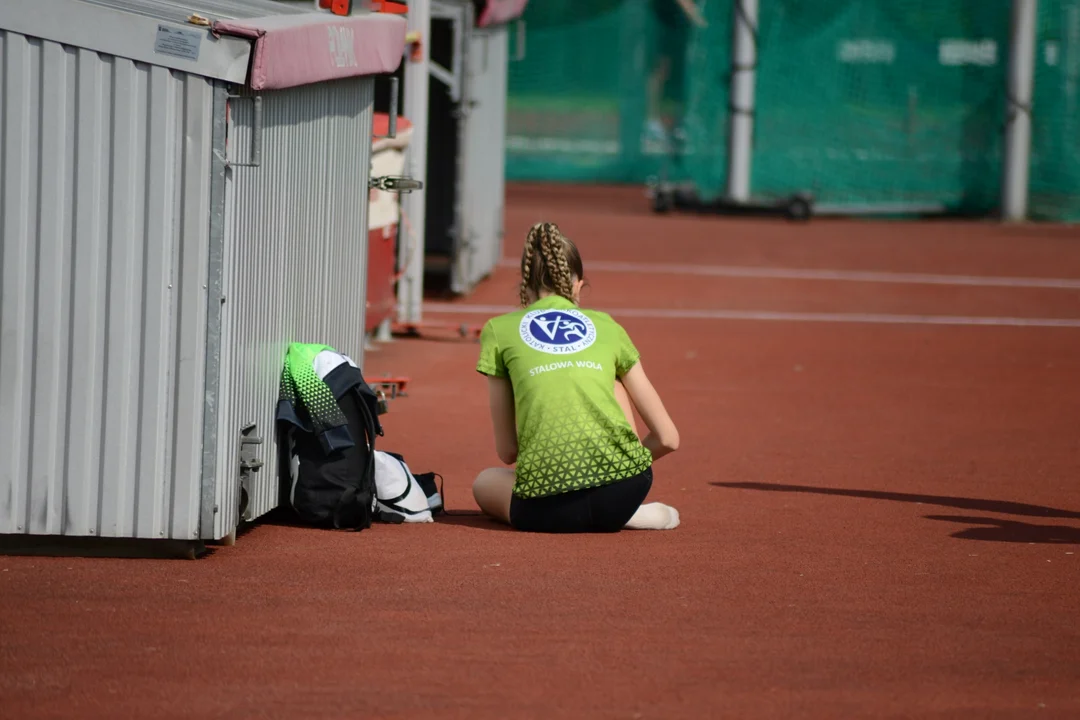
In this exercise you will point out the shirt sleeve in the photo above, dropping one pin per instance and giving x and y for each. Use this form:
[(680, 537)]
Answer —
[(626, 355), (491, 359)]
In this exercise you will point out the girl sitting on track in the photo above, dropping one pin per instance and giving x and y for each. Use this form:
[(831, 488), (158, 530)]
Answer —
[(561, 381)]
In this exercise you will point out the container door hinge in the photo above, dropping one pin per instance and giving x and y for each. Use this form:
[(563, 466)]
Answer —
[(249, 463), (395, 183)]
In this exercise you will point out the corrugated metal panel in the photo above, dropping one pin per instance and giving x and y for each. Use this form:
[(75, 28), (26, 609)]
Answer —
[(103, 206), (483, 154), (107, 29), (295, 258), (213, 9)]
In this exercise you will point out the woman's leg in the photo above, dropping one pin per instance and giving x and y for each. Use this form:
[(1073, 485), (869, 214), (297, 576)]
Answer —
[(493, 490), (657, 79), (611, 506)]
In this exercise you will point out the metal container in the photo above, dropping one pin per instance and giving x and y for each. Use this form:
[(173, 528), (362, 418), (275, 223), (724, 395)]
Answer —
[(483, 170), (455, 94), (171, 220)]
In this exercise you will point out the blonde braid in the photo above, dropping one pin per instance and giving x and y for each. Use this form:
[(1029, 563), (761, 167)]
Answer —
[(549, 261), (528, 257), (552, 249)]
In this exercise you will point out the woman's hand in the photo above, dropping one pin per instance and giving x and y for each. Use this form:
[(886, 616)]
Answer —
[(663, 437), (501, 399)]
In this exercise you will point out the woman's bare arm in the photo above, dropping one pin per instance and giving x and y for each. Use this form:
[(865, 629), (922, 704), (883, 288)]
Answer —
[(692, 12), (663, 437), (501, 400)]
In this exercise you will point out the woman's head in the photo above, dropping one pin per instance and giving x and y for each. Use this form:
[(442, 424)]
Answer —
[(550, 264)]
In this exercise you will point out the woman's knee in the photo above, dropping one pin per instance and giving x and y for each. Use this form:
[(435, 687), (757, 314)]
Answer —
[(492, 491), (492, 479)]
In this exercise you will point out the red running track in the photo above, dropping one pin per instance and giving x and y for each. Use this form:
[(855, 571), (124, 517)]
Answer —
[(879, 520)]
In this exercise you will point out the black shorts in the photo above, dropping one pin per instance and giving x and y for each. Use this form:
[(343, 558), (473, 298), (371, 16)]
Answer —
[(602, 509)]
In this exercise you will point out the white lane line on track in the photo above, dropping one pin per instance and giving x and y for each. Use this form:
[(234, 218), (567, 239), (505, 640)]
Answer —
[(766, 315), (866, 276)]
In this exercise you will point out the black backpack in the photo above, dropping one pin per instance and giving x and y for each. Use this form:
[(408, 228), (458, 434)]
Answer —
[(334, 487)]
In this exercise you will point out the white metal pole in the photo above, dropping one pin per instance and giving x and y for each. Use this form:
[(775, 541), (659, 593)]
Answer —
[(412, 229), (743, 77), (1017, 165)]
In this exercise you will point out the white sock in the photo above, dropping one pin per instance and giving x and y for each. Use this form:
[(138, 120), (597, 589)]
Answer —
[(654, 516)]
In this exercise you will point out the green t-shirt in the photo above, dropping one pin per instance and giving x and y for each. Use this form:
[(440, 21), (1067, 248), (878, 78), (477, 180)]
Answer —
[(562, 362)]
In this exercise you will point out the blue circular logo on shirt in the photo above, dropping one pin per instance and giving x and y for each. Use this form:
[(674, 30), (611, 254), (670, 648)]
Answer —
[(557, 332)]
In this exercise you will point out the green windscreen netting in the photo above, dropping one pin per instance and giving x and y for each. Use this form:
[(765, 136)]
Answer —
[(578, 102), (864, 103), (1055, 152)]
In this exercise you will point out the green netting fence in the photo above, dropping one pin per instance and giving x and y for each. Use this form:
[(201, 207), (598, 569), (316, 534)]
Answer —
[(1055, 152), (860, 102)]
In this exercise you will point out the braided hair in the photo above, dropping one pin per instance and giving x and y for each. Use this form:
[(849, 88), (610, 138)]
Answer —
[(550, 261)]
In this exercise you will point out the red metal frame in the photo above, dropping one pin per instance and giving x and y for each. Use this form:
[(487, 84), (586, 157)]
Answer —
[(395, 384), (387, 6), (381, 277), (337, 7), (345, 7), (463, 330), (382, 272)]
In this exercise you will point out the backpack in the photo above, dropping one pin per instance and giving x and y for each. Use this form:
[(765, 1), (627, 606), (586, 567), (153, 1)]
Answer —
[(328, 417), (335, 488)]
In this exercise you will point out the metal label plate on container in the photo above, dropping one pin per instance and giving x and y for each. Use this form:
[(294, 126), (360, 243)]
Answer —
[(178, 42)]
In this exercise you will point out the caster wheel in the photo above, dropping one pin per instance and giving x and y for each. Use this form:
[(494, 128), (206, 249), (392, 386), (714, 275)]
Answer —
[(798, 209), (662, 202), (191, 551)]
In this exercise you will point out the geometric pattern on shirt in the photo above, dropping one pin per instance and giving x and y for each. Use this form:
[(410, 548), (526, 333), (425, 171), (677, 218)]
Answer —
[(575, 450)]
